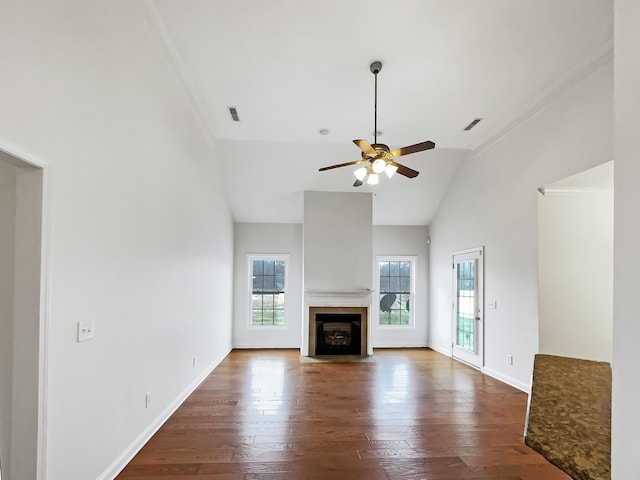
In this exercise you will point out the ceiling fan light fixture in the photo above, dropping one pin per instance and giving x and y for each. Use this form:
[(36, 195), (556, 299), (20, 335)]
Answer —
[(360, 173), (378, 165), (390, 170), (377, 157)]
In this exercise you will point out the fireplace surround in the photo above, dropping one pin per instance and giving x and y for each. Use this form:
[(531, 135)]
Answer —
[(338, 331)]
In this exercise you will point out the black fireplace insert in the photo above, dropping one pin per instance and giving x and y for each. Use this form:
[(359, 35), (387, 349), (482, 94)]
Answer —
[(338, 334)]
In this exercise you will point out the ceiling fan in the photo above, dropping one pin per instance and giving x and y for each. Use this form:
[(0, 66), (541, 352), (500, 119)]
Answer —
[(377, 158)]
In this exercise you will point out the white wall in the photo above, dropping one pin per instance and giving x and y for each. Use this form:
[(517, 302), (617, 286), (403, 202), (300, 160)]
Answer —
[(576, 273), (262, 238), (7, 242), (626, 327), (405, 241), (141, 238), (337, 236), (267, 238), (493, 202)]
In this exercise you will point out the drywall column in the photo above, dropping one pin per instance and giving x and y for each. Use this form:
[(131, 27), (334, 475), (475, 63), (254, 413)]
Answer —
[(337, 245), (338, 240), (625, 442)]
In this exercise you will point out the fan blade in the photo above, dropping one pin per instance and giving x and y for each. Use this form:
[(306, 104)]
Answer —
[(406, 171), (340, 165), (365, 147), (418, 147), (357, 183)]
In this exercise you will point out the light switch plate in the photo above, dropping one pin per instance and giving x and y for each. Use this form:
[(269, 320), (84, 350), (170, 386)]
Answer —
[(85, 330)]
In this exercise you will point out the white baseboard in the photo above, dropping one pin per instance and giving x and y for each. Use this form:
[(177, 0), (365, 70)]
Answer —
[(443, 351), (507, 379), (134, 447), (488, 371), (251, 346)]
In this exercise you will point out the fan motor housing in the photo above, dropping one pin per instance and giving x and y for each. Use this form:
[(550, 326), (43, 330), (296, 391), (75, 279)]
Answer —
[(380, 147), (382, 151)]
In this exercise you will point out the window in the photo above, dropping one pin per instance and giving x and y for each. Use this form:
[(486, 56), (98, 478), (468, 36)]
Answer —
[(396, 286), (267, 274)]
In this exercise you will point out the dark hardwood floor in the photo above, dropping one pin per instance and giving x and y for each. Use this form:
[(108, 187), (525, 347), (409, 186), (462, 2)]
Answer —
[(413, 414)]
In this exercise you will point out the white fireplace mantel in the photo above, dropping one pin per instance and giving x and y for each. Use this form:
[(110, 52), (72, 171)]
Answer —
[(341, 293), (332, 298), (342, 298)]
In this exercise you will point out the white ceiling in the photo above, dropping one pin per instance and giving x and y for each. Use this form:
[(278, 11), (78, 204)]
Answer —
[(293, 67)]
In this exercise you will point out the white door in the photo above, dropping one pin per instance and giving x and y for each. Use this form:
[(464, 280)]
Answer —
[(468, 306)]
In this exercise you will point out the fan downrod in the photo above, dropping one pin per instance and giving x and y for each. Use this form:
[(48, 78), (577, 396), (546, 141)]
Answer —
[(374, 154)]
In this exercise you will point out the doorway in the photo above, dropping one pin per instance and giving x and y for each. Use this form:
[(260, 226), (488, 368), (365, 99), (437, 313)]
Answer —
[(575, 265), (468, 306), (21, 328)]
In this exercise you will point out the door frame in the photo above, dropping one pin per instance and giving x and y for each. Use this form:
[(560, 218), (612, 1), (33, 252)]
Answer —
[(23, 157), (479, 285)]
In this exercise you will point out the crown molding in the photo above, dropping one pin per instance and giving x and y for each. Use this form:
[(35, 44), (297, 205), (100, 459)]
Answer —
[(553, 91), (175, 59), (573, 191)]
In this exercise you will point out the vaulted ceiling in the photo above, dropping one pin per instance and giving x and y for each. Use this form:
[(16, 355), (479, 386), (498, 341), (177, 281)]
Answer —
[(292, 68)]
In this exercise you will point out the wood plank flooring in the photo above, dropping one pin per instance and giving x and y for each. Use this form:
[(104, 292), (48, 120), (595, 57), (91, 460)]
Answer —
[(413, 415)]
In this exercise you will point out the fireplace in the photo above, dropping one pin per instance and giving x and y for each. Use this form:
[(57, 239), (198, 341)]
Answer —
[(337, 331)]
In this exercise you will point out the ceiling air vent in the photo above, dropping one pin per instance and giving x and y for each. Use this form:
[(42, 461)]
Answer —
[(234, 114), (472, 124)]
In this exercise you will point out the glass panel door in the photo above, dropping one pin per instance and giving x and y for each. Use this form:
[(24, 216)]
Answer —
[(468, 306)]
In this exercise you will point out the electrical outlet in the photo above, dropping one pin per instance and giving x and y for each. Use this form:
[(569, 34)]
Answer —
[(194, 362), (147, 399), (509, 359), (85, 330)]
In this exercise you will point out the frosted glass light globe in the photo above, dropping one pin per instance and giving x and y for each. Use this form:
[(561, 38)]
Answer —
[(390, 170), (379, 165), (360, 173)]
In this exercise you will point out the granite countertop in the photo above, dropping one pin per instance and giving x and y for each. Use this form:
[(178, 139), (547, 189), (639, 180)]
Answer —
[(569, 419)]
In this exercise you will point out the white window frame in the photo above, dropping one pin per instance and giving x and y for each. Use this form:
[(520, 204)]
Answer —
[(413, 260), (270, 256)]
